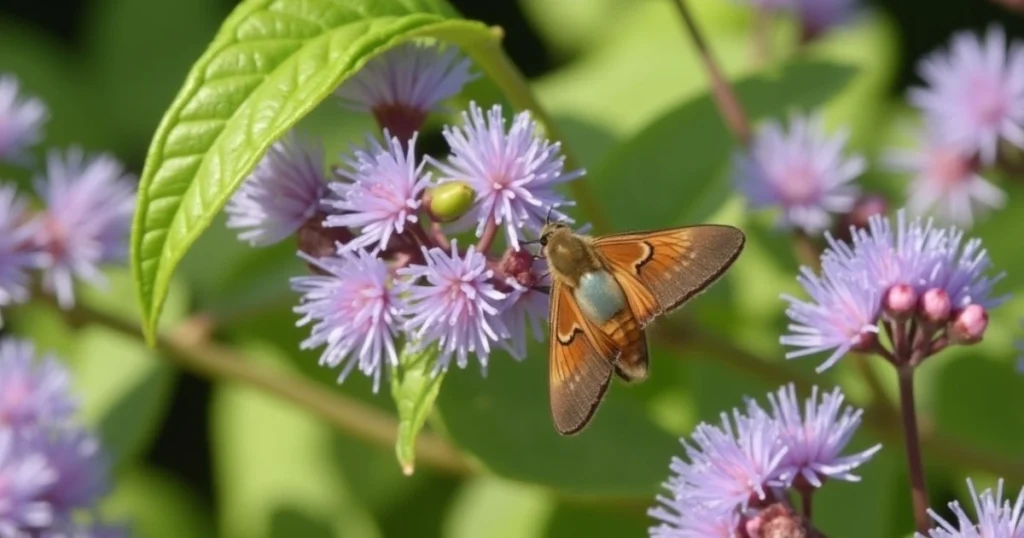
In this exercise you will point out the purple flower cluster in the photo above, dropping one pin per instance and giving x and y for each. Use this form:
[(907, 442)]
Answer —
[(735, 470), (83, 224), (388, 274), (925, 287), (995, 517), (53, 472), (972, 107), (816, 16)]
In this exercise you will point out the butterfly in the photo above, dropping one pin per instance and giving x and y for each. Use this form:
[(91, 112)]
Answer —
[(606, 290)]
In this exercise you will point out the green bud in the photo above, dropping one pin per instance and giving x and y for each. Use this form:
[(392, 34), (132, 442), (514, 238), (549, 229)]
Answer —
[(450, 201)]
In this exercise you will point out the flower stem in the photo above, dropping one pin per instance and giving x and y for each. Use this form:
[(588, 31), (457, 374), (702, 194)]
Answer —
[(918, 490), (807, 499), (722, 92), (487, 237)]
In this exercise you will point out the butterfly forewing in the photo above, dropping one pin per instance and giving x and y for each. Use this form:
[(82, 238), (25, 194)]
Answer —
[(581, 363), (673, 265)]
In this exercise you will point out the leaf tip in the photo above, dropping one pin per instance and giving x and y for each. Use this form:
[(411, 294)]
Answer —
[(408, 468)]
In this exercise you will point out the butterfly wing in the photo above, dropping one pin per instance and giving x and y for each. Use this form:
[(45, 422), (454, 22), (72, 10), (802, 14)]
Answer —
[(660, 270), (581, 363)]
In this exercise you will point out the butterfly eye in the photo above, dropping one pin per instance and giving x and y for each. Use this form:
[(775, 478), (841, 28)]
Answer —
[(543, 240)]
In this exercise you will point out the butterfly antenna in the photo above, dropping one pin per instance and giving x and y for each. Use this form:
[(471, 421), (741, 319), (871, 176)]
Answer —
[(547, 218)]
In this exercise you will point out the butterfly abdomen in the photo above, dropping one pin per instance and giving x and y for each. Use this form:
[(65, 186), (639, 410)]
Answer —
[(628, 336)]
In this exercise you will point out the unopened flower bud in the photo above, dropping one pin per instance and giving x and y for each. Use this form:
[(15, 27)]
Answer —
[(935, 306), (400, 121), (518, 264), (865, 341), (449, 201), (968, 325), (900, 301), (779, 521)]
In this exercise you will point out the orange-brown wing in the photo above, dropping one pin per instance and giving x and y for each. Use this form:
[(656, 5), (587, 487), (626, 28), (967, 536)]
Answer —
[(669, 266), (581, 363)]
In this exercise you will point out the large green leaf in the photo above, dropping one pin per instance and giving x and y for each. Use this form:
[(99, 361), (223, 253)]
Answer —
[(275, 470), (504, 420), (157, 505), (670, 172), (498, 508), (271, 63)]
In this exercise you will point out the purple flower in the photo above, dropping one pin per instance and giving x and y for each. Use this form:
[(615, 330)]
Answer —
[(514, 174), (680, 520), (946, 181), (803, 172), (21, 121), (281, 194), (383, 193), (356, 311), (975, 93), (452, 302), (960, 269), (817, 16), (728, 470), (15, 257), (841, 315), (85, 224), (410, 77), (880, 257), (33, 391), (24, 476), (996, 517), (80, 465), (815, 438)]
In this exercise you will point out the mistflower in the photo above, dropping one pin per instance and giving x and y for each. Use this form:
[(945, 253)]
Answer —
[(525, 310), (25, 476), (728, 470), (85, 224), (21, 120), (81, 469), (513, 173), (961, 270), (401, 86), (818, 16), (382, 194), (975, 93), (281, 194), (33, 390), (355, 311), (803, 171), (946, 182), (453, 303), (816, 438), (842, 314), (679, 520), (15, 256), (995, 517)]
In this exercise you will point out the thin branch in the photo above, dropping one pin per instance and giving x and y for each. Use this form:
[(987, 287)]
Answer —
[(918, 489), (189, 348), (721, 90)]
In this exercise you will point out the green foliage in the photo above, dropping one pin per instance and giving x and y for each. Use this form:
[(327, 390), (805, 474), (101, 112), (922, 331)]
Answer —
[(414, 387)]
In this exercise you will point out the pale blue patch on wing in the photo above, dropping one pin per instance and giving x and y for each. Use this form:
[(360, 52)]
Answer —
[(599, 296)]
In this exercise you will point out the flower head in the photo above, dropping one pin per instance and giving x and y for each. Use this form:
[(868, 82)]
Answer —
[(80, 465), (21, 120), (946, 181), (405, 83), (32, 391), (355, 311), (25, 475), (841, 315), (975, 93), (382, 194), (726, 469), (996, 517), (815, 438), (89, 205), (15, 256), (513, 173), (961, 270), (281, 194), (803, 172), (679, 520), (817, 16), (452, 302)]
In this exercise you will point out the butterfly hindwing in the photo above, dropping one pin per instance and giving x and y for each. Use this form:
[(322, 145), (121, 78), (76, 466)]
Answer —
[(669, 266), (580, 363)]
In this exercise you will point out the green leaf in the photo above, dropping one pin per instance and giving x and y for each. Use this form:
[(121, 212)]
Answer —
[(271, 63), (275, 468), (157, 505), (670, 172), (504, 420), (414, 387)]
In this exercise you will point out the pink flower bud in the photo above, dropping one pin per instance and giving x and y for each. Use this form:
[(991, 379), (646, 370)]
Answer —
[(518, 264), (935, 306), (968, 325), (900, 301), (779, 521)]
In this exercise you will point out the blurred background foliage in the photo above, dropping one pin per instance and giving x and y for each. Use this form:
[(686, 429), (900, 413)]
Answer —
[(196, 459)]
